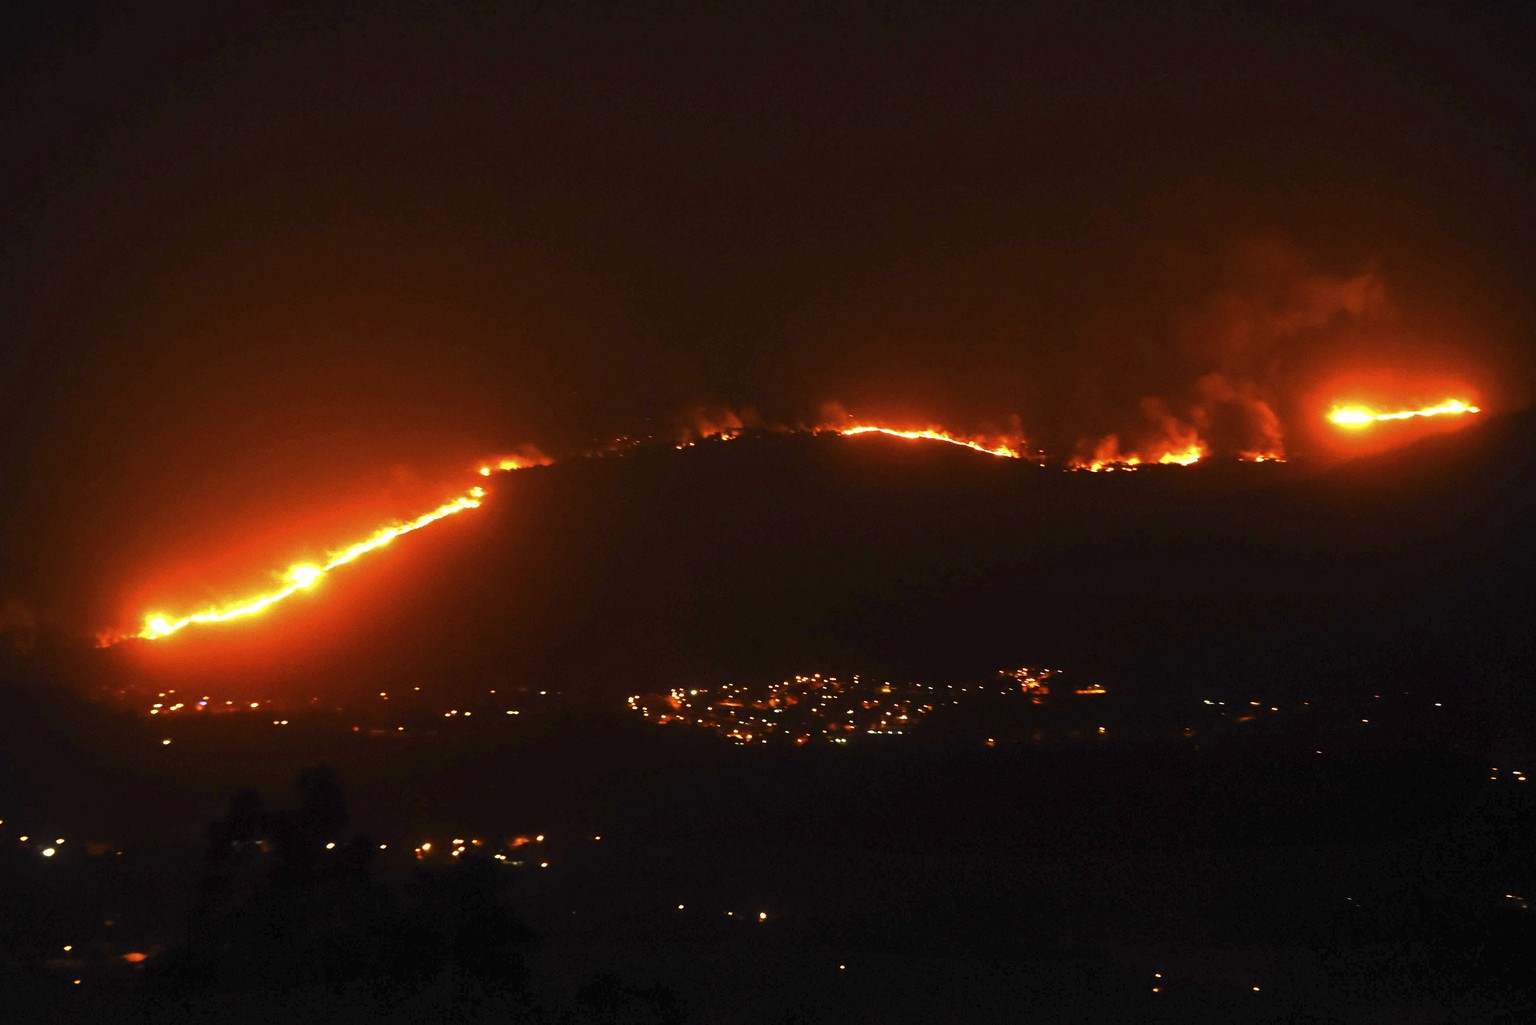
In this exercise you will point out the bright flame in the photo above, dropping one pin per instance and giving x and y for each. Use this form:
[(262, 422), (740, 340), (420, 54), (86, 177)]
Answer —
[(522, 459), (1108, 456), (1360, 416), (1004, 451), (1186, 456), (1182, 450), (306, 574), (1105, 465)]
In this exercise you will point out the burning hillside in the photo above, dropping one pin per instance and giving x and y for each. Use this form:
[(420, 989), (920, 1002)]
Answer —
[(1182, 445)]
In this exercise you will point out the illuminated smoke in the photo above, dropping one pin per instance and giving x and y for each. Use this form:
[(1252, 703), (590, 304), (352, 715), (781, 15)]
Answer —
[(709, 421), (1169, 440), (1247, 323)]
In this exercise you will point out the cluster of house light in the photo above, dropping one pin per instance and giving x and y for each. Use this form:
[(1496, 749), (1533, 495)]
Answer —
[(821, 707)]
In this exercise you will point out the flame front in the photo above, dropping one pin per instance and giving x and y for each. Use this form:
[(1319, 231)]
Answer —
[(1107, 456), (522, 459), (1361, 416), (306, 575), (1181, 447), (1186, 456), (1003, 451)]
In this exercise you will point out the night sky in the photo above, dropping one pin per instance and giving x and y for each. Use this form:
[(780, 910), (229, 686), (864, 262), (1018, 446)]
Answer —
[(267, 264)]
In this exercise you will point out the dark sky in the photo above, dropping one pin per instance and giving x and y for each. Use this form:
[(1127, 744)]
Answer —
[(263, 259)]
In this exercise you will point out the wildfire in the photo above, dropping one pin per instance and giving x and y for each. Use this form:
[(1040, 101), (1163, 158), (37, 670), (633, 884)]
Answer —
[(1181, 448), (1186, 456), (1004, 451), (1108, 465), (522, 459), (1107, 456), (305, 575), (1361, 416)]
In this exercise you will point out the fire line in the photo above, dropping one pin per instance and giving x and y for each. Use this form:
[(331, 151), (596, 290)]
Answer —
[(302, 576), (1361, 416), (305, 575), (1002, 451)]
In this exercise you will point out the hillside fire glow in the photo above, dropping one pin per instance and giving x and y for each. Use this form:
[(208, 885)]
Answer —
[(1107, 456), (305, 575), (1362, 416), (1177, 448), (1003, 451)]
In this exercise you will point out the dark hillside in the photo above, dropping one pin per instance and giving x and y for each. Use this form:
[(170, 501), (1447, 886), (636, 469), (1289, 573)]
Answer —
[(765, 556)]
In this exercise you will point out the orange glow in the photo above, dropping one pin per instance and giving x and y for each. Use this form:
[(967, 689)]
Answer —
[(1362, 416), (1003, 451), (1185, 456), (522, 459), (1105, 465), (1107, 456), (1176, 447), (305, 575)]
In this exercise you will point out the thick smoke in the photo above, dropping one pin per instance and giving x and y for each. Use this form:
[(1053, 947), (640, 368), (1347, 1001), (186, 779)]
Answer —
[(1242, 346), (1130, 346), (707, 420)]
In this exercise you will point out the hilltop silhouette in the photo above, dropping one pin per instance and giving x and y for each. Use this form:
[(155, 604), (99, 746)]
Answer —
[(767, 555)]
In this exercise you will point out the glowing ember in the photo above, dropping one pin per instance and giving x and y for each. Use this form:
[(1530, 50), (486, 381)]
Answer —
[(1360, 416), (306, 575), (1004, 451)]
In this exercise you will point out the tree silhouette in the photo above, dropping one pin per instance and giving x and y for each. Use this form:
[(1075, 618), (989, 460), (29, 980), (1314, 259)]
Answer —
[(289, 905)]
